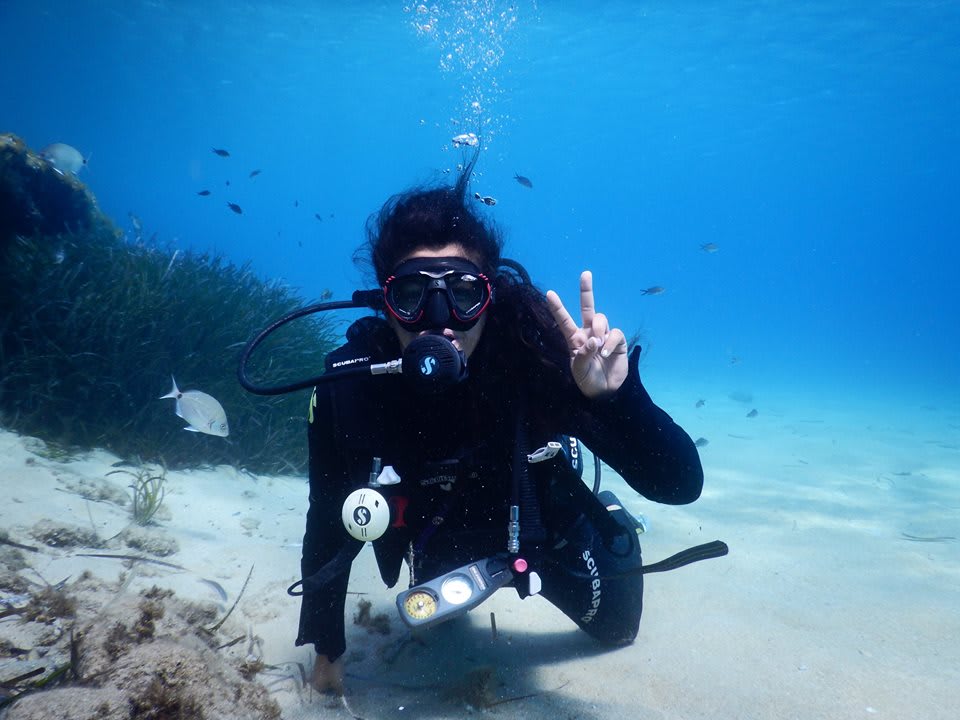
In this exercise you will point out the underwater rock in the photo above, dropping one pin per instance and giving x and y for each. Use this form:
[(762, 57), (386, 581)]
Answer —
[(142, 656), (11, 559), (97, 490), (61, 535), (11, 583), (91, 322), (150, 540), (35, 198)]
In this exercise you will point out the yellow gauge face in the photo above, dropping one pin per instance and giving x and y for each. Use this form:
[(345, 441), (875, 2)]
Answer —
[(420, 605)]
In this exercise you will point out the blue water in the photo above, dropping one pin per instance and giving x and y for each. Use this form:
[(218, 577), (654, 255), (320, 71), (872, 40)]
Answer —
[(815, 143)]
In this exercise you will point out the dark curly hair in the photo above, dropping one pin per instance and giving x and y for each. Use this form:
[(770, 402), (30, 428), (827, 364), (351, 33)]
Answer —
[(432, 217), (429, 218)]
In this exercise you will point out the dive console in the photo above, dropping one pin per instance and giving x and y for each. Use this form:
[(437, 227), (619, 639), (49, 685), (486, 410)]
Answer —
[(453, 594)]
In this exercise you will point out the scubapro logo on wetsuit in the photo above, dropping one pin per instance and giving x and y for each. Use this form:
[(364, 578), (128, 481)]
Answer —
[(428, 365), (444, 481), (594, 586)]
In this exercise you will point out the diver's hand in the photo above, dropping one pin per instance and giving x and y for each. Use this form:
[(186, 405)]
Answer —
[(598, 355), (328, 676)]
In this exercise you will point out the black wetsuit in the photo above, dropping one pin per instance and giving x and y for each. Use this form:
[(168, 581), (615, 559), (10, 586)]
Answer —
[(454, 452)]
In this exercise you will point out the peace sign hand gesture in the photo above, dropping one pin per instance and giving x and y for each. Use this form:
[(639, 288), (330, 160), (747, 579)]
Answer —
[(598, 355)]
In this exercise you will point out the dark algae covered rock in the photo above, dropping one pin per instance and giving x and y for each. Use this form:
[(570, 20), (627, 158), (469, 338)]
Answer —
[(93, 324)]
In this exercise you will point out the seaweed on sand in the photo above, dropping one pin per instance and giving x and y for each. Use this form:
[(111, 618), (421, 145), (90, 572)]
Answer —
[(92, 325), (161, 699), (147, 493), (364, 617)]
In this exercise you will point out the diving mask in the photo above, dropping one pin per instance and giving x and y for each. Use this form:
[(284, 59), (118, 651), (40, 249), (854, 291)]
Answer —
[(426, 293)]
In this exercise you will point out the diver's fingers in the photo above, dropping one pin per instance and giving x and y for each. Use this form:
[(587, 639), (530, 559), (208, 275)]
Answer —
[(586, 299), (597, 333), (614, 343), (600, 326), (566, 324)]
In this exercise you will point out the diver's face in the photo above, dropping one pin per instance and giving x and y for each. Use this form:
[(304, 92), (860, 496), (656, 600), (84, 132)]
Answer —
[(464, 340)]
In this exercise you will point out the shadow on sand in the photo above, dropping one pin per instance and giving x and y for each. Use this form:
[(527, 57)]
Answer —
[(462, 666)]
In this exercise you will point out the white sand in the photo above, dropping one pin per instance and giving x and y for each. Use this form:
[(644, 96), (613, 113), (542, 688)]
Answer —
[(823, 609)]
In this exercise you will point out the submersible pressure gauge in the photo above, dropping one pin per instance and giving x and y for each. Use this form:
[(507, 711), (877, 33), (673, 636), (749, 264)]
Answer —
[(454, 593), (420, 605)]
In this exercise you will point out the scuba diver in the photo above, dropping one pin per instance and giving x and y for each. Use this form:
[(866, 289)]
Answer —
[(474, 480)]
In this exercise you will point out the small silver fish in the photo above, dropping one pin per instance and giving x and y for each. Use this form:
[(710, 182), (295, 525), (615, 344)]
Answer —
[(525, 181), (137, 227), (64, 158), (486, 199), (217, 587), (203, 413), (701, 442), (709, 247), (655, 290), (753, 413), (701, 402)]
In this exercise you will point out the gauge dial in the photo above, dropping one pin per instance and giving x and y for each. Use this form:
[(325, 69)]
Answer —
[(420, 605), (456, 589)]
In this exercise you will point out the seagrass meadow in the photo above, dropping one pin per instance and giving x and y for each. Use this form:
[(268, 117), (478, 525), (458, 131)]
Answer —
[(93, 325)]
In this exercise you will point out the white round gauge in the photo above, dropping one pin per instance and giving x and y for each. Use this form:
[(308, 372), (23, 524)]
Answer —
[(456, 589)]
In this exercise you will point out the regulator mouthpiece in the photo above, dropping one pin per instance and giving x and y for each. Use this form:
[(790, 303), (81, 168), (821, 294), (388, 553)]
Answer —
[(432, 363)]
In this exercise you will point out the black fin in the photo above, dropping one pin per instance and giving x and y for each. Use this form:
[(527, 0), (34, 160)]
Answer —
[(714, 549)]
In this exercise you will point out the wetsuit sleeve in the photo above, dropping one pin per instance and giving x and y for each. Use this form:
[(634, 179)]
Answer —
[(326, 544), (641, 442), (322, 608)]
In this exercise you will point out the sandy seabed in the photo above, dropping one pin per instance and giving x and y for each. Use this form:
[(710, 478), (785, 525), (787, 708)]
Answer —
[(838, 599)]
